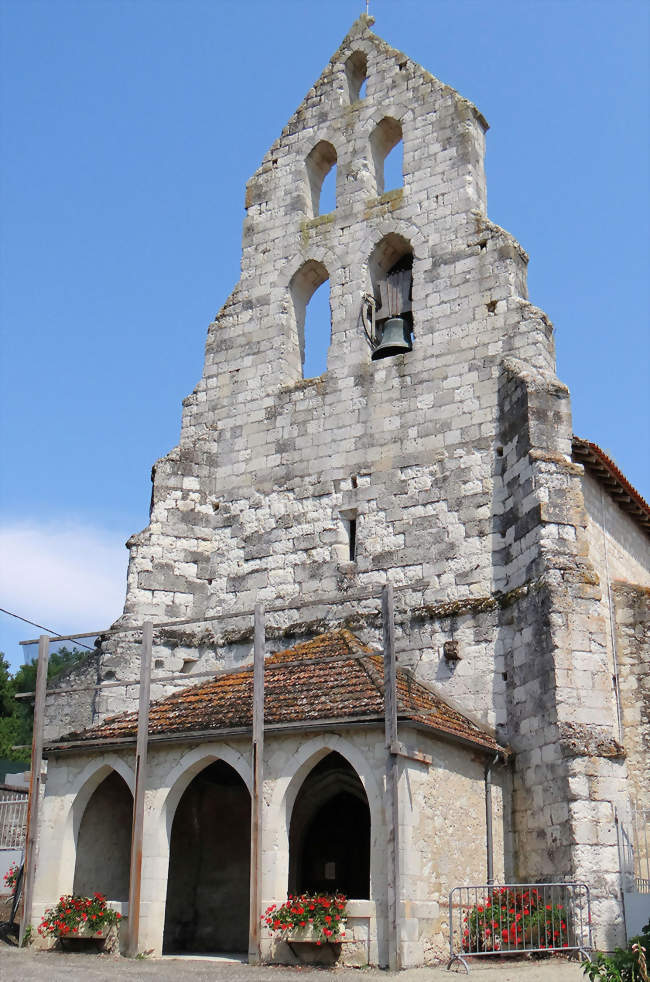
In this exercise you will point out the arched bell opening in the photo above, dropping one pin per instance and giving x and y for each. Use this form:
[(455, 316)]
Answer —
[(356, 72), (312, 314), (104, 841), (207, 906), (329, 836), (390, 275), (321, 168), (385, 140)]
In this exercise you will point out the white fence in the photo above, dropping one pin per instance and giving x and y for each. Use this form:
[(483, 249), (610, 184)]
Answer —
[(13, 817)]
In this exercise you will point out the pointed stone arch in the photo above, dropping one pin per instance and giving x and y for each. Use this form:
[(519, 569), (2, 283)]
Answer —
[(191, 764), (329, 832), (103, 839)]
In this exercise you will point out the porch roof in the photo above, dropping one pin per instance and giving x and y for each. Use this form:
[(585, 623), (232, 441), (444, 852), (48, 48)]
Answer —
[(332, 678)]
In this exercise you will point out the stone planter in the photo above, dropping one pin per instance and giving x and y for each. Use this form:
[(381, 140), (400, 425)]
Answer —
[(87, 933), (303, 942)]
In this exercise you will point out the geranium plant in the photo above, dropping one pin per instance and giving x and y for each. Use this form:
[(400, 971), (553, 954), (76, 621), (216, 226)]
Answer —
[(74, 915), (510, 919), (323, 913), (11, 876)]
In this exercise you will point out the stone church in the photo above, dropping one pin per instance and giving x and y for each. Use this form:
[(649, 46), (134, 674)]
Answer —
[(436, 453)]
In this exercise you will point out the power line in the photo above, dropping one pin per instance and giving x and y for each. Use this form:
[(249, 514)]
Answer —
[(42, 627)]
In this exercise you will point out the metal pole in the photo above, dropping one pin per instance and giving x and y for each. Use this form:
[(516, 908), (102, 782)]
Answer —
[(489, 845), (392, 778), (254, 934), (135, 873), (34, 784)]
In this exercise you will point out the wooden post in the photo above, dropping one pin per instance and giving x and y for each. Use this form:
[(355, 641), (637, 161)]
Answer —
[(257, 803), (392, 778), (135, 873), (31, 839)]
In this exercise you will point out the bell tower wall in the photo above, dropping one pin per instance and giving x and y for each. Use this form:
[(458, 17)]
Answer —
[(250, 504)]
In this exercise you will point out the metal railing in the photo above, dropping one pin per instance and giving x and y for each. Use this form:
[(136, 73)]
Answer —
[(641, 884), (13, 818), (518, 918)]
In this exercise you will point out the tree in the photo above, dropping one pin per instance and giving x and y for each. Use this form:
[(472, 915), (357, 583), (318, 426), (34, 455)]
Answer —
[(17, 716)]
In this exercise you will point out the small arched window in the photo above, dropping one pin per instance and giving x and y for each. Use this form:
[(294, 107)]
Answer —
[(320, 162), (387, 154), (356, 71), (310, 298)]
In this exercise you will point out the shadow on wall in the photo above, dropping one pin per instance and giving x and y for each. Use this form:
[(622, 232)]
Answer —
[(209, 865), (329, 838), (104, 841)]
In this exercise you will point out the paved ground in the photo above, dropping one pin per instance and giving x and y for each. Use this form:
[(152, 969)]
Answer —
[(32, 966)]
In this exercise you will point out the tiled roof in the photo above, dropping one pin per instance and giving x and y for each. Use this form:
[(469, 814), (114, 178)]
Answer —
[(334, 677), (605, 470)]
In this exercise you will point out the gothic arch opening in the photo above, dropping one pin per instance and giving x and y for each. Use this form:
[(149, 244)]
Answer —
[(321, 164), (356, 72), (390, 272), (329, 835), (311, 307), (104, 841), (207, 903), (385, 141)]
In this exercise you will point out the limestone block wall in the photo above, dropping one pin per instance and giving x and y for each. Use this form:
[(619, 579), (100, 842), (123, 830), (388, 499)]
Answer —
[(445, 841), (632, 619), (249, 505), (570, 773), (619, 550)]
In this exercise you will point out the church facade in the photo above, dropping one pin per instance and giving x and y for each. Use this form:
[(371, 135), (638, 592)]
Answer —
[(436, 453)]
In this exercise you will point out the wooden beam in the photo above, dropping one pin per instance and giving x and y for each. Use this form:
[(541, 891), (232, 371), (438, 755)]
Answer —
[(392, 778), (33, 802), (257, 803), (402, 750), (135, 874)]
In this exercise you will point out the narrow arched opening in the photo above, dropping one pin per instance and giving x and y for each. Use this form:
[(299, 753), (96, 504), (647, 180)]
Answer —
[(104, 841), (387, 155), (312, 313), (329, 836), (321, 174), (356, 72), (390, 272), (207, 903)]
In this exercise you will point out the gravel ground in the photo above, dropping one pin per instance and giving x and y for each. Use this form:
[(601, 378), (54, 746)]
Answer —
[(25, 965)]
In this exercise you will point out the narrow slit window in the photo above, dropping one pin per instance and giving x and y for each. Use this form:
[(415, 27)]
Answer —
[(349, 519), (352, 538)]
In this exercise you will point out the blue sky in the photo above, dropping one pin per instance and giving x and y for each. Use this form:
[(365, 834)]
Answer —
[(129, 128)]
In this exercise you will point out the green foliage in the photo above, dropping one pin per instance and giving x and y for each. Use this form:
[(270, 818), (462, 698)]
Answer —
[(624, 964), (17, 717)]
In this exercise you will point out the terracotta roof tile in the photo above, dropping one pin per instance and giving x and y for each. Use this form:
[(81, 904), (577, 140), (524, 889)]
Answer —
[(332, 677), (605, 470)]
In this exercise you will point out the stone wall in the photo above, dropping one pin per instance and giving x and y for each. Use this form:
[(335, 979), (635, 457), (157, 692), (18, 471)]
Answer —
[(632, 612)]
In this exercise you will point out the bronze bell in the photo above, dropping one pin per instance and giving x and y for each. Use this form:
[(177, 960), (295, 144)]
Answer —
[(395, 339)]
